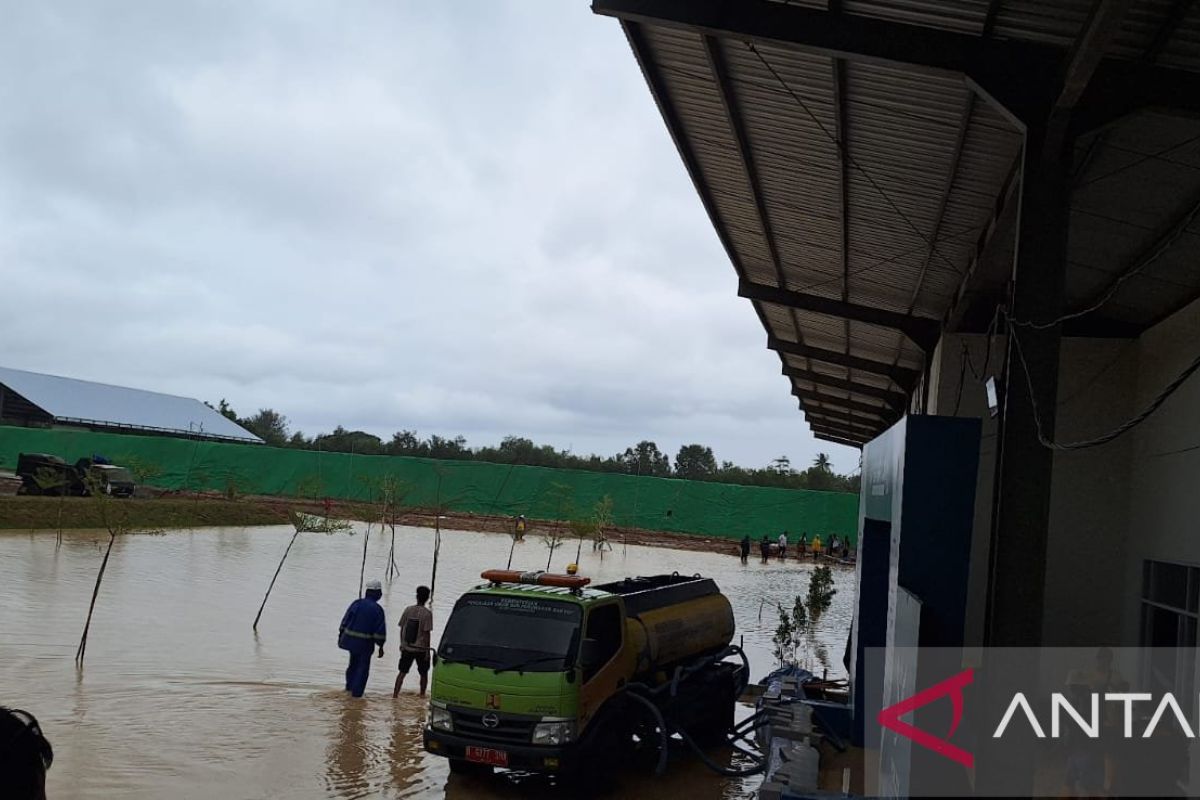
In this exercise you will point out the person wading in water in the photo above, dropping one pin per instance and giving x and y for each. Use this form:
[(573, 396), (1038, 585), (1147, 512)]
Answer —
[(363, 627), (416, 623)]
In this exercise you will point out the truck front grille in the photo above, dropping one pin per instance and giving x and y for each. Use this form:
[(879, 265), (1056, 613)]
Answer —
[(509, 728)]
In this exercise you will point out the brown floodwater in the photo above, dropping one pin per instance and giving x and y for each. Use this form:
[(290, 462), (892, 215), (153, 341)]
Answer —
[(180, 698)]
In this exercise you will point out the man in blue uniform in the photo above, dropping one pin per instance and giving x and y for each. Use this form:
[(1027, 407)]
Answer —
[(362, 629)]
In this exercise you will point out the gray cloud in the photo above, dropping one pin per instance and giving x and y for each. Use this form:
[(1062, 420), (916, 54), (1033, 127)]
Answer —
[(456, 217)]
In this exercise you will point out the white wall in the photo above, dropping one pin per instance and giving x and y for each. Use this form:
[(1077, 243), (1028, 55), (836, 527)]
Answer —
[(1089, 494), (1164, 506), (1112, 506)]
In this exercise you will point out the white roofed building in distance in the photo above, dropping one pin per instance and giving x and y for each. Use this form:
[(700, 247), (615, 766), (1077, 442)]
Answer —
[(32, 398)]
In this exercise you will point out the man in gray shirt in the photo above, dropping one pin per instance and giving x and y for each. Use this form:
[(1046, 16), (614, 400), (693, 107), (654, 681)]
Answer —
[(416, 624)]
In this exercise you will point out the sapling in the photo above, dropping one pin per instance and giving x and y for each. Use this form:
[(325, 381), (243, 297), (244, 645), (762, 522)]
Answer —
[(820, 592), (116, 523), (391, 491), (561, 498), (363, 568), (785, 636), (437, 532), (798, 626), (582, 530), (302, 523), (602, 516)]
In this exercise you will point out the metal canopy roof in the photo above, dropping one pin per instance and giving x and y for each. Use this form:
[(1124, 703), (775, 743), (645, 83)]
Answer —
[(858, 161), (98, 404)]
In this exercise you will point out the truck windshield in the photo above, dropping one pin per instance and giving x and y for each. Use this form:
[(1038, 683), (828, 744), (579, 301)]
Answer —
[(505, 632), (118, 475)]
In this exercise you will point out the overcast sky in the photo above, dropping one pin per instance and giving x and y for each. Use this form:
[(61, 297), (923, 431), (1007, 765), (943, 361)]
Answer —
[(460, 218)]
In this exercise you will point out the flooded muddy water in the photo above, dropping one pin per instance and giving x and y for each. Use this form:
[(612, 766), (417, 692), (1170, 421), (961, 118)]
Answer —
[(180, 698)]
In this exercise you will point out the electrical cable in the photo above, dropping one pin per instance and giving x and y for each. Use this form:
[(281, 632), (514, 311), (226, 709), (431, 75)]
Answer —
[(968, 363), (1124, 427), (1163, 244), (962, 377)]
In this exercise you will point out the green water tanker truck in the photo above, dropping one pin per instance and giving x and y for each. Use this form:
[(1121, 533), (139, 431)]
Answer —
[(545, 673)]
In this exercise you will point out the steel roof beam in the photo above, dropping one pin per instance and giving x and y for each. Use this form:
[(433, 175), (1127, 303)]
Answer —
[(737, 126), (831, 33), (897, 401), (716, 62), (1120, 88), (904, 377), (662, 99), (1165, 31), (838, 437), (846, 425), (1010, 72), (845, 433), (840, 411), (922, 331), (975, 274), (845, 418), (989, 18), (807, 396), (840, 433), (1098, 33), (1101, 29), (841, 131), (828, 437)]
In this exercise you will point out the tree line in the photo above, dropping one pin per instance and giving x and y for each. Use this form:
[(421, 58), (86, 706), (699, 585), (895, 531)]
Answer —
[(693, 461)]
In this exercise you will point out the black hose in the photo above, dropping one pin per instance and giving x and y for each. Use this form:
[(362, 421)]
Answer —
[(727, 772), (643, 693), (661, 767), (753, 719)]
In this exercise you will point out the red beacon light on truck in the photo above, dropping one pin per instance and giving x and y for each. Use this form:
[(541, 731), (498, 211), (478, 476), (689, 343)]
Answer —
[(538, 578)]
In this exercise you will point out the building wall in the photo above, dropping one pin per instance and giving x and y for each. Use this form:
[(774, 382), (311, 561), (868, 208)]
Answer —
[(1089, 502), (1089, 494), (1164, 506)]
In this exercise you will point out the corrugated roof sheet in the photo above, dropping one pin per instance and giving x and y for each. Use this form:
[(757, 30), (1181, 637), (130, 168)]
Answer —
[(71, 400), (917, 162)]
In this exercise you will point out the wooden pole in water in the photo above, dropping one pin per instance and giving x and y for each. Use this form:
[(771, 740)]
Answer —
[(276, 575), (79, 653), (362, 569), (437, 535), (392, 569)]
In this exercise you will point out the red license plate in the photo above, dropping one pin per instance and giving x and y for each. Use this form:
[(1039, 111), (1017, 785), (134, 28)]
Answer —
[(486, 755)]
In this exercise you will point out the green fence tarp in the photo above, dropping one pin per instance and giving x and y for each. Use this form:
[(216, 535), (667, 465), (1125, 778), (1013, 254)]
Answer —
[(665, 504)]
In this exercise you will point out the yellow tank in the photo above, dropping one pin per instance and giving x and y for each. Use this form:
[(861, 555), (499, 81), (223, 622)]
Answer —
[(675, 624)]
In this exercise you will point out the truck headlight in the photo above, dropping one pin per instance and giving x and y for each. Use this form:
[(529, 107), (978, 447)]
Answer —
[(440, 719), (553, 733)]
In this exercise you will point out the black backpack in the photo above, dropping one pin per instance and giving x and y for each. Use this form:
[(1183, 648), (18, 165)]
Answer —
[(412, 631)]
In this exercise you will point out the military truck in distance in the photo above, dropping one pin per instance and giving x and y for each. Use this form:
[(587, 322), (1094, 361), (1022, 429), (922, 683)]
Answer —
[(43, 473), (107, 478)]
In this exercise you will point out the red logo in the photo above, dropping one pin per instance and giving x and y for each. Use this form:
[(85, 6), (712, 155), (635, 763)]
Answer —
[(890, 717), (493, 701)]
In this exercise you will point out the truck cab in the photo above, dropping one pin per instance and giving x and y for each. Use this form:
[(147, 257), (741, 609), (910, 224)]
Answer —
[(107, 478), (533, 676)]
